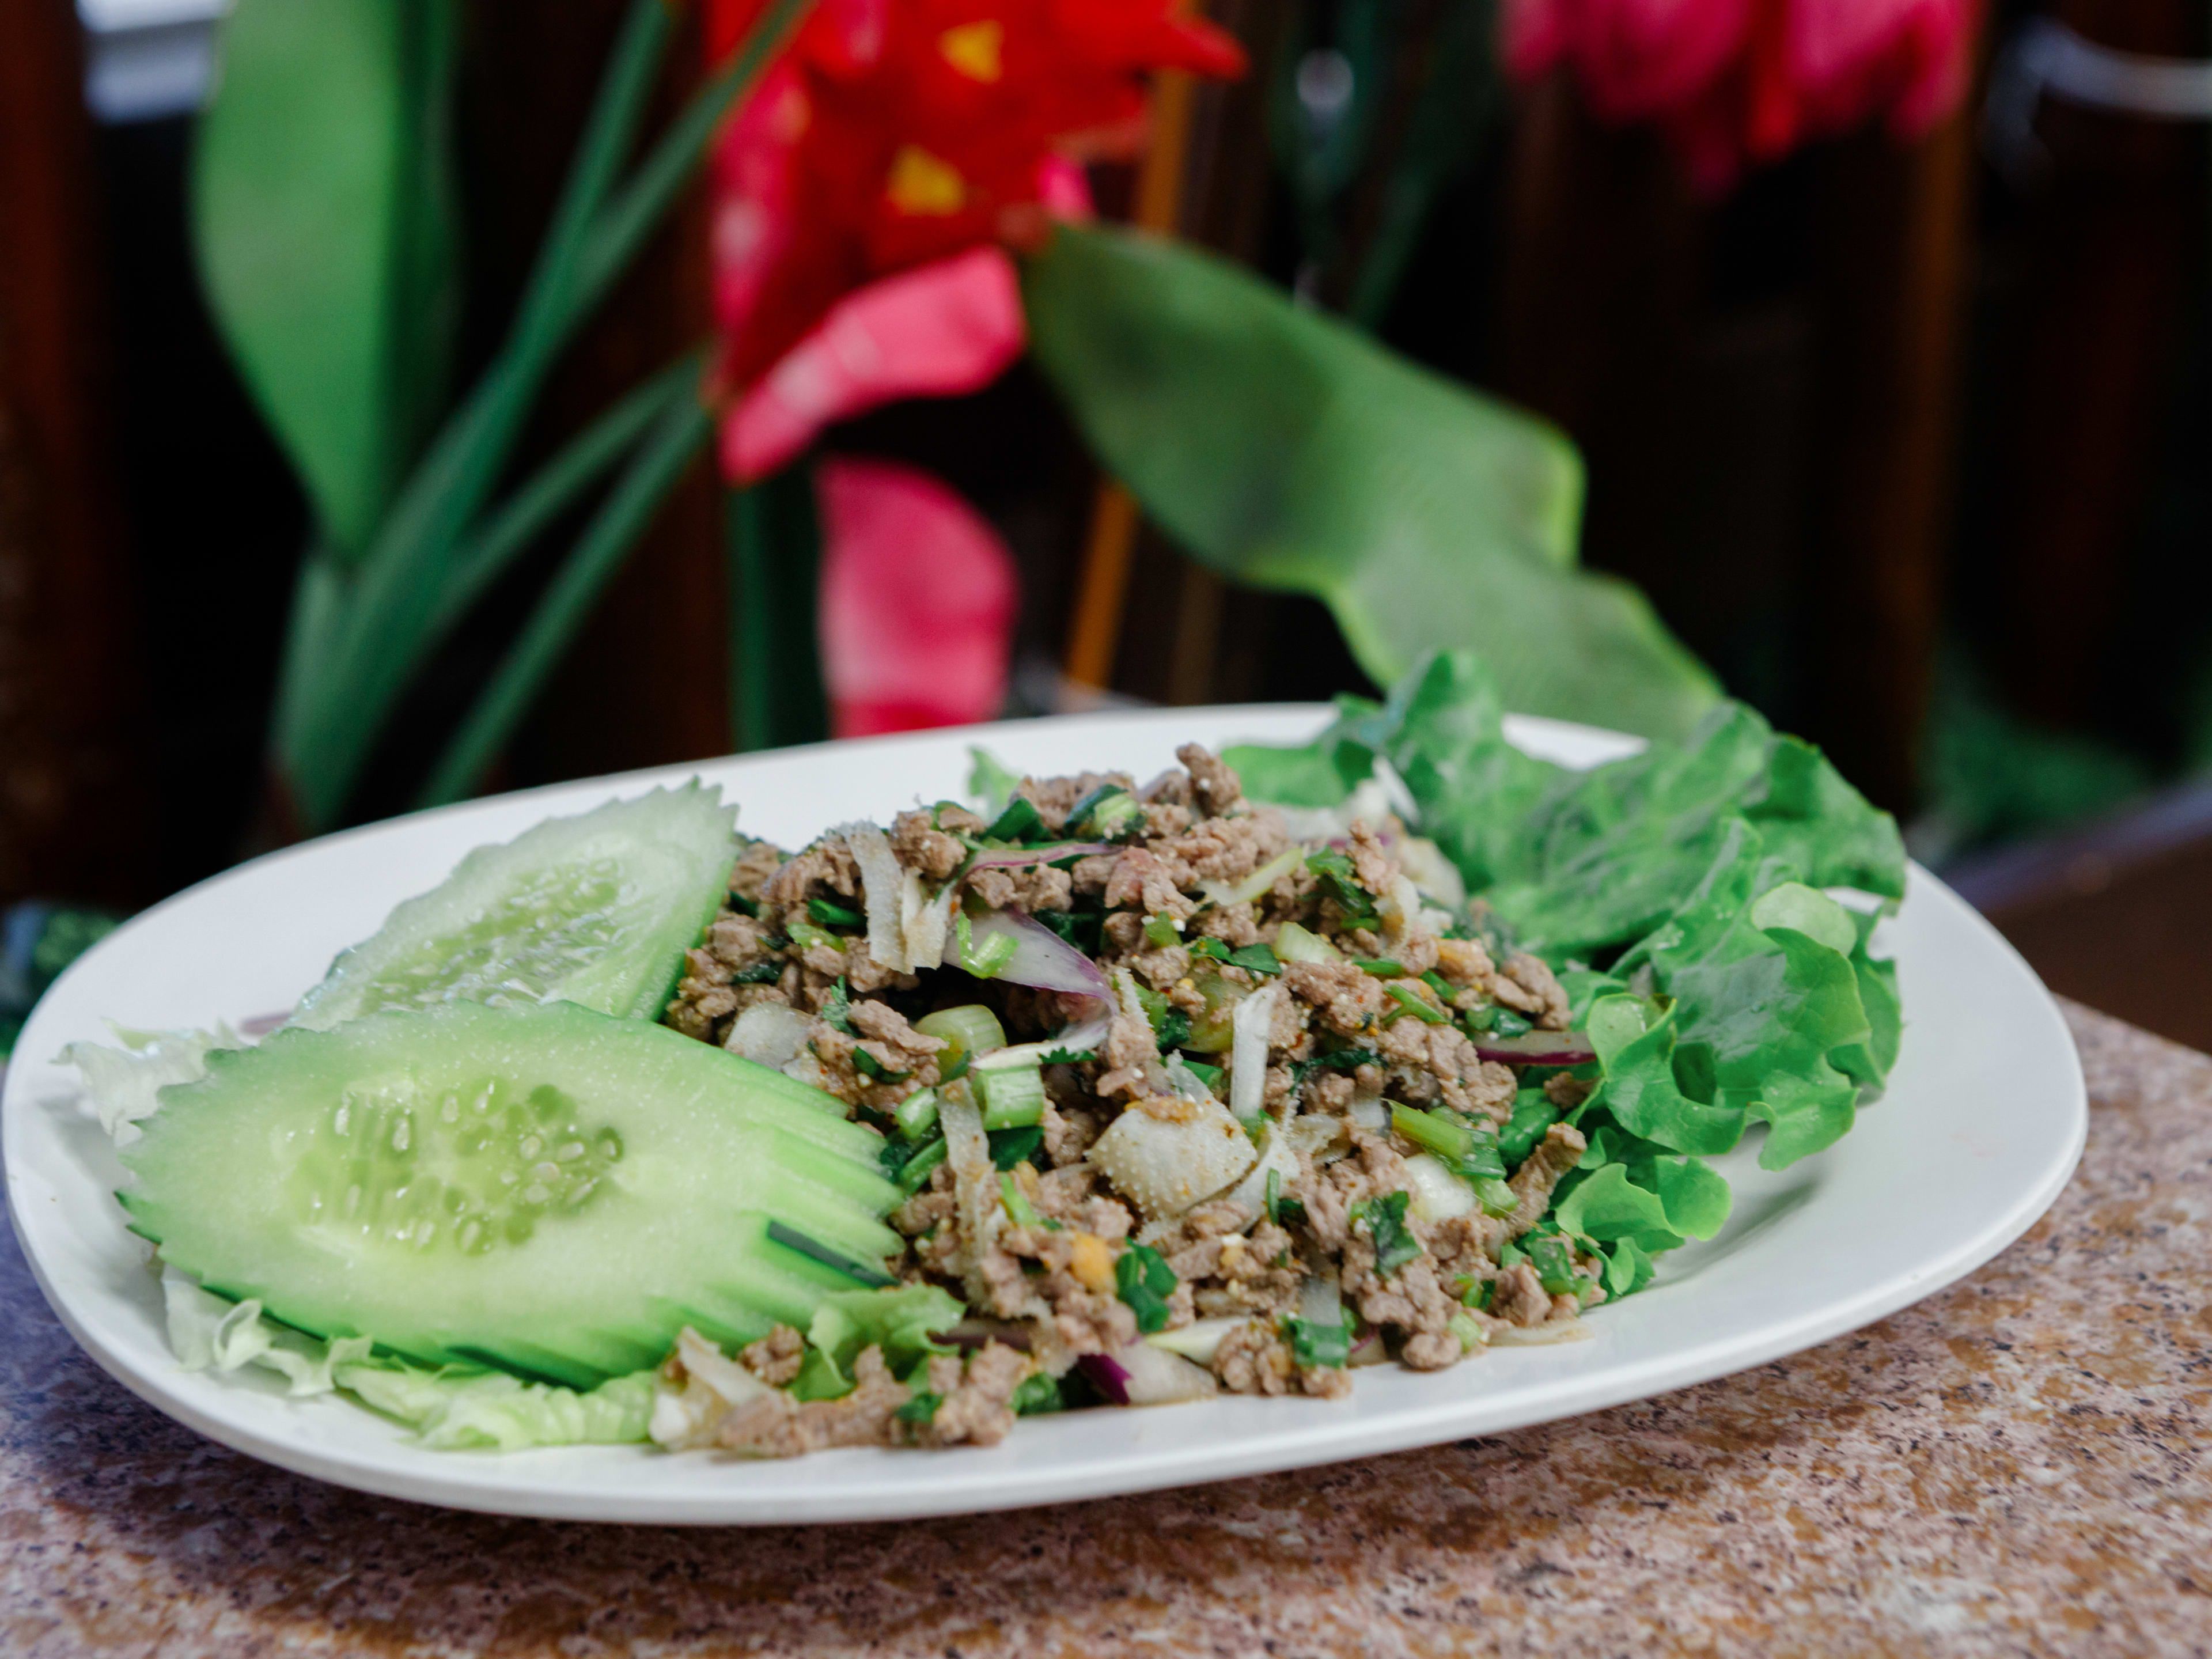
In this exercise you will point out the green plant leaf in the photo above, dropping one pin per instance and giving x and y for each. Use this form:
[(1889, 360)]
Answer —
[(1284, 449), (322, 203)]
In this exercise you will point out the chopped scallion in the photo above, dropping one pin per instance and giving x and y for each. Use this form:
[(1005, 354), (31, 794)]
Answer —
[(915, 1175), (874, 1070), (1161, 932), (1144, 1281), (1414, 1003), (968, 1030), (1012, 1096), (834, 915), (808, 937), (916, 1115), (761, 973), (987, 960), (1554, 1259), (1019, 1211), (1379, 967), (1313, 1344), (1450, 1140), (1495, 1197)]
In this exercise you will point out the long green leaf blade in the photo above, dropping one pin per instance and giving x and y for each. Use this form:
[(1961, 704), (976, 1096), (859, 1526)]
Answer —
[(1283, 449)]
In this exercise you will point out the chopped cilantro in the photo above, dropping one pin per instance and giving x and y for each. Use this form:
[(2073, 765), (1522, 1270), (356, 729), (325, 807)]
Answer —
[(837, 1008), (761, 973), (1037, 1395), (1334, 866), (1394, 1243), (1313, 1344), (920, 1408), (1067, 1056), (874, 1070), (1012, 1146), (1144, 1280), (834, 915), (1256, 959)]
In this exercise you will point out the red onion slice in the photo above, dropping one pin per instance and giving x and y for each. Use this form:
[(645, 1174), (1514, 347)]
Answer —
[(1014, 858), (1538, 1049), (1041, 957), (1142, 1374)]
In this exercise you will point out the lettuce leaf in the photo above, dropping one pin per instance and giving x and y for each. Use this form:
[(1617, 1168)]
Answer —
[(902, 1320), (1677, 893), (1321, 773), (457, 1411)]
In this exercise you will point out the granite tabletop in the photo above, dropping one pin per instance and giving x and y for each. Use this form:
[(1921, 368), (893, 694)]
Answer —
[(2017, 1466)]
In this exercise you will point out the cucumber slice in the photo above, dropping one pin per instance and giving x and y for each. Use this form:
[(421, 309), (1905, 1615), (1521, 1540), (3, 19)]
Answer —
[(543, 1188), (597, 910)]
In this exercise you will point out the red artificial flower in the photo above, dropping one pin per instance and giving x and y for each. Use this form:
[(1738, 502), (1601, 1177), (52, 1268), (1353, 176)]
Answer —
[(1738, 82), (893, 133)]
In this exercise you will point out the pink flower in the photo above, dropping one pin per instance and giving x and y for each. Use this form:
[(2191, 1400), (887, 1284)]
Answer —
[(1738, 82), (918, 601)]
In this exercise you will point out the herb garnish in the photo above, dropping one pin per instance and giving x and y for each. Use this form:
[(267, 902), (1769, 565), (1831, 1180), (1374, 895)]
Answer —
[(761, 973), (834, 915), (1254, 958), (837, 1008), (1334, 866), (1012, 1146), (921, 1408), (873, 1069), (1313, 1343), (1394, 1243), (1145, 1281)]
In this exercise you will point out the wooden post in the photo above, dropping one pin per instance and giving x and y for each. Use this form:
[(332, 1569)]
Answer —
[(1892, 288), (73, 822)]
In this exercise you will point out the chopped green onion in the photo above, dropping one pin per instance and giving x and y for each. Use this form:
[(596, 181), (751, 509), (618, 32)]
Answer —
[(916, 1115), (1416, 1004), (1482, 1161), (1475, 1021), (1439, 1133), (1444, 988), (1105, 814), (1478, 1294), (1161, 932), (921, 1408), (1018, 1209), (1495, 1197), (1144, 1282), (1013, 1096), (761, 973), (1012, 1146), (1510, 1254), (807, 937), (1533, 1114), (742, 905), (834, 915), (1468, 1332), (987, 960), (968, 1030), (1508, 1024), (1283, 1212), (874, 1070), (916, 1174), (837, 1008), (1018, 823), (1379, 967), (1554, 1258), (1037, 1395), (1313, 1344), (1296, 944)]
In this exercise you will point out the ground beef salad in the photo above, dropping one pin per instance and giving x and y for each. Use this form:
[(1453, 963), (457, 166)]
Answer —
[(1283, 1062)]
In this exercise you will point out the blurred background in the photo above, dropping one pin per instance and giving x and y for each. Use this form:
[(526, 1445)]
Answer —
[(1897, 410)]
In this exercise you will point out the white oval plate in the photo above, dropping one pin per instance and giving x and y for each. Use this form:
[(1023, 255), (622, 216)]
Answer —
[(1981, 1127)]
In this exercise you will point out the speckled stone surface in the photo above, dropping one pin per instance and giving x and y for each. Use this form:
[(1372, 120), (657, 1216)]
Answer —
[(2017, 1466)]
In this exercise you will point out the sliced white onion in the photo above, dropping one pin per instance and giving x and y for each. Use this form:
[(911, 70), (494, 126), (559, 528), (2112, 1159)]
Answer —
[(771, 1033), (1256, 884), (1254, 1019), (925, 919), (1277, 1156), (1041, 957), (1318, 1136), (1197, 1342), (1131, 1007), (882, 881), (1319, 1301), (1369, 1112), (974, 1186), (1438, 1194), (1141, 1375), (1432, 872), (1536, 1336)]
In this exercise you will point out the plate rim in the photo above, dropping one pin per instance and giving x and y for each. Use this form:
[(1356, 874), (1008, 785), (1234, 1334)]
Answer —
[(957, 1489)]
